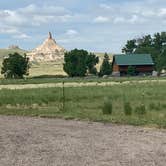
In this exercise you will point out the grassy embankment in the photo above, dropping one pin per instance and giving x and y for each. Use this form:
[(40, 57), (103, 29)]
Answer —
[(85, 103)]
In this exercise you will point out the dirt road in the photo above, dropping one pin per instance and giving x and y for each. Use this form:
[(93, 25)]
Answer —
[(76, 84), (52, 142)]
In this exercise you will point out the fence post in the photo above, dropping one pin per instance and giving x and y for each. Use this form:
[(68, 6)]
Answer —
[(63, 96)]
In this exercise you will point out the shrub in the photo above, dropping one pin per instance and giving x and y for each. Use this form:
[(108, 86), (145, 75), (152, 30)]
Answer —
[(127, 108), (131, 71), (140, 110), (156, 107), (107, 107), (163, 105)]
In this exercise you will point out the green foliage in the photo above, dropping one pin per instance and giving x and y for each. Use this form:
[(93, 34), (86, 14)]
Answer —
[(154, 45), (131, 71), (127, 108), (140, 110), (130, 46), (91, 61), (107, 107), (106, 67), (79, 62), (15, 66)]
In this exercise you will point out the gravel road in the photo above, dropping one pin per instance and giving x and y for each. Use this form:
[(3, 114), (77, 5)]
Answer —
[(52, 142)]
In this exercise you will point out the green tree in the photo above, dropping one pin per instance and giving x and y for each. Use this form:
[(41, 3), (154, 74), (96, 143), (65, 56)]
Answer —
[(129, 47), (106, 67), (78, 63), (131, 71), (91, 62), (154, 45), (15, 66), (161, 61)]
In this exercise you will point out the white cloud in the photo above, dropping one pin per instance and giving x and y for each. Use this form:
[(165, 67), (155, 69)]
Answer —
[(3, 14), (34, 15), (148, 13), (119, 20), (8, 30), (71, 32), (22, 36), (33, 9), (15, 18), (104, 6), (162, 12), (134, 19), (101, 19), (14, 32)]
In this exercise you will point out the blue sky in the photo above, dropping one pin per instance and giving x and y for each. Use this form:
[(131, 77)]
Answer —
[(95, 25)]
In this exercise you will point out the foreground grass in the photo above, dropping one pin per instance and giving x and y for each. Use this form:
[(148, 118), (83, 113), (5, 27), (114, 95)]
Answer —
[(85, 103)]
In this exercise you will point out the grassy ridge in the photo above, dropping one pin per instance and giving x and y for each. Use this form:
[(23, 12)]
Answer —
[(5, 52), (86, 103)]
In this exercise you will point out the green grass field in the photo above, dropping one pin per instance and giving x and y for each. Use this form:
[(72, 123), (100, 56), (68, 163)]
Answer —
[(85, 103)]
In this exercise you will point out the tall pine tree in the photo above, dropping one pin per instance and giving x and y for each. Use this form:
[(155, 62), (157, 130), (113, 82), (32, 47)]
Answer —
[(106, 67)]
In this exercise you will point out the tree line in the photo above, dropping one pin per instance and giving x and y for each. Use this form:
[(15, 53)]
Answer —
[(79, 63)]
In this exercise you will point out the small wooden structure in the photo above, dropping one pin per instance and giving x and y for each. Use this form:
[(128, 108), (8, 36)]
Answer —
[(142, 63)]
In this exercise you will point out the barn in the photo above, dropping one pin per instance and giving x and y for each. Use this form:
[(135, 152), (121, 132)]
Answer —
[(142, 64)]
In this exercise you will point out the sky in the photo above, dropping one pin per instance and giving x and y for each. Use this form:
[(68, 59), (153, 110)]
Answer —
[(94, 25)]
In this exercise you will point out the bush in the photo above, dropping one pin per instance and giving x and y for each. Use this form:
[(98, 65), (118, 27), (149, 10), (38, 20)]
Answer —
[(131, 71), (127, 108), (140, 110), (153, 106), (107, 107)]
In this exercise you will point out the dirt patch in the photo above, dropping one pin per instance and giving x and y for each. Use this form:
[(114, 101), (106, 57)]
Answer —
[(52, 142)]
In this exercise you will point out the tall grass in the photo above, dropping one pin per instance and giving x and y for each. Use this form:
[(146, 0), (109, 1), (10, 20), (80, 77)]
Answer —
[(87, 103)]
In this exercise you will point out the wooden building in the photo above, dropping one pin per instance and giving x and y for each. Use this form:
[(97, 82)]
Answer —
[(142, 63)]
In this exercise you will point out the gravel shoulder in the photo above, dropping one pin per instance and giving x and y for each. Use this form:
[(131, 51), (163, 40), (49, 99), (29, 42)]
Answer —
[(28, 141)]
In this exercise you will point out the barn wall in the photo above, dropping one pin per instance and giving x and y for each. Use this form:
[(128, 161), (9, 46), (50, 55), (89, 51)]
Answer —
[(115, 68), (140, 68)]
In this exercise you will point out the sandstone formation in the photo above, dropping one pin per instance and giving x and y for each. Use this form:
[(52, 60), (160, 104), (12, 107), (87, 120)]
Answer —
[(48, 51), (13, 47)]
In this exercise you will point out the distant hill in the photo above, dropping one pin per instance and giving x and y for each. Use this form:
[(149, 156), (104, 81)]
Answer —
[(5, 52)]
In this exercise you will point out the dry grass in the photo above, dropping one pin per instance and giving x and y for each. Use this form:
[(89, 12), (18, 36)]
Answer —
[(47, 68)]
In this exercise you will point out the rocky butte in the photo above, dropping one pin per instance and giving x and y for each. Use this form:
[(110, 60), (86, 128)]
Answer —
[(48, 51)]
